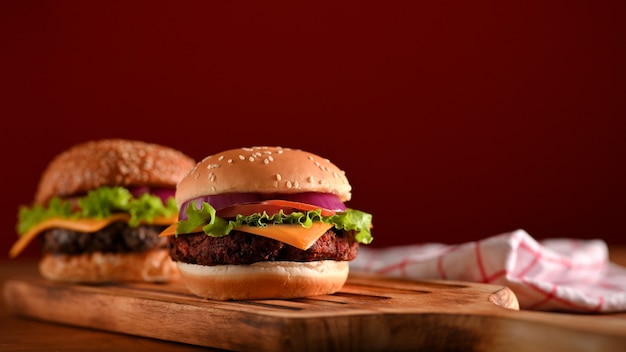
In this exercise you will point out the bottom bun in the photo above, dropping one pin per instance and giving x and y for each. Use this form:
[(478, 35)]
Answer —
[(97, 267), (265, 280)]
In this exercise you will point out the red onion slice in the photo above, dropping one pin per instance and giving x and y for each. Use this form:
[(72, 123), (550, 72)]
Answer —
[(324, 200), (163, 193), (221, 201)]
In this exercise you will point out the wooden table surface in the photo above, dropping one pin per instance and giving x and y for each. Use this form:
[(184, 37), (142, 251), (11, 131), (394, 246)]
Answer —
[(24, 334)]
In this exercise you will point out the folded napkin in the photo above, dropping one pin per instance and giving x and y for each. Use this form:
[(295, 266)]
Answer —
[(550, 275)]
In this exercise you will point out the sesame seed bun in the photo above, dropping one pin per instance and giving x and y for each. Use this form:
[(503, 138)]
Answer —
[(265, 280), (263, 170), (111, 162)]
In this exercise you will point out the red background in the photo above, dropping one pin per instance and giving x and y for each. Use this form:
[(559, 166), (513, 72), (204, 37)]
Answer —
[(454, 120)]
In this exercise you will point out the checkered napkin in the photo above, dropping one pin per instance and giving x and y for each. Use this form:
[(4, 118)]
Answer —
[(550, 275)]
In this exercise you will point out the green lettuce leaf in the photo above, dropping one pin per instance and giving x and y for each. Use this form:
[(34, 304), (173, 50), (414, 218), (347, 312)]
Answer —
[(215, 226), (28, 217), (99, 203), (356, 220), (204, 216)]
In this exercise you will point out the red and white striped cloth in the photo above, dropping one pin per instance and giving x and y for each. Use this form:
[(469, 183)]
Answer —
[(550, 275)]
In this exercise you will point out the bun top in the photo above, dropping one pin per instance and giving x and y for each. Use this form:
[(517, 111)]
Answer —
[(111, 162), (263, 170)]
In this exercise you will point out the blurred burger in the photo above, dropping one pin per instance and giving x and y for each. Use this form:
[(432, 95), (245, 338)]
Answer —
[(265, 222), (99, 208)]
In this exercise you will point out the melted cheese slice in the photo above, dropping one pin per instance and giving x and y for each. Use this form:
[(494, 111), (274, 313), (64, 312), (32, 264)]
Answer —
[(82, 225), (294, 235)]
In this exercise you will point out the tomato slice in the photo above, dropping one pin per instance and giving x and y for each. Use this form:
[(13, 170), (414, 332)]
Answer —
[(298, 206), (271, 207)]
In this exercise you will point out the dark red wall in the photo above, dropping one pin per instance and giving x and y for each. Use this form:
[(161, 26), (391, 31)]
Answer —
[(454, 120)]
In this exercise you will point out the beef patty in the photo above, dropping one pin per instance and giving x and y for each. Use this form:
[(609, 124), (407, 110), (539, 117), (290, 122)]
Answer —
[(117, 237), (245, 248)]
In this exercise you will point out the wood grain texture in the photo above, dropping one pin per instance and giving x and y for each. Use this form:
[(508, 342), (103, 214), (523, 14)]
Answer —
[(370, 313)]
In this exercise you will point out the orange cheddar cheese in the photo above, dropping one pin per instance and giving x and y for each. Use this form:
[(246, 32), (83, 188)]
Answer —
[(294, 235), (82, 225)]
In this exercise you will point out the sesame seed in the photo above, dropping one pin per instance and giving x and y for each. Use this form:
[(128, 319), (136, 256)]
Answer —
[(270, 158), (289, 184), (230, 161), (241, 157), (266, 161), (278, 177), (220, 158), (251, 159), (212, 166), (310, 179), (310, 157)]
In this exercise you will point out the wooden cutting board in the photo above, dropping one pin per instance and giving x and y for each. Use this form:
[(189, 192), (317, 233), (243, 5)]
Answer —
[(371, 313)]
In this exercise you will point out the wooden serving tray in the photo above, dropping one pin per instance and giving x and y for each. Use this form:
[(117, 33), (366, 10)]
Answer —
[(370, 313)]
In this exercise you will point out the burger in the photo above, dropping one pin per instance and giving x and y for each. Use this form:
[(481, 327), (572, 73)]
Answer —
[(99, 208), (265, 223)]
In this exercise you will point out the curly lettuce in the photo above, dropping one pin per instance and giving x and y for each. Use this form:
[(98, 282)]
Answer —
[(99, 204), (214, 226)]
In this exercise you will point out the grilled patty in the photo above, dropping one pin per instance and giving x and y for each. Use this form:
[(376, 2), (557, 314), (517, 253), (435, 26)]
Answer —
[(117, 237), (245, 248)]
